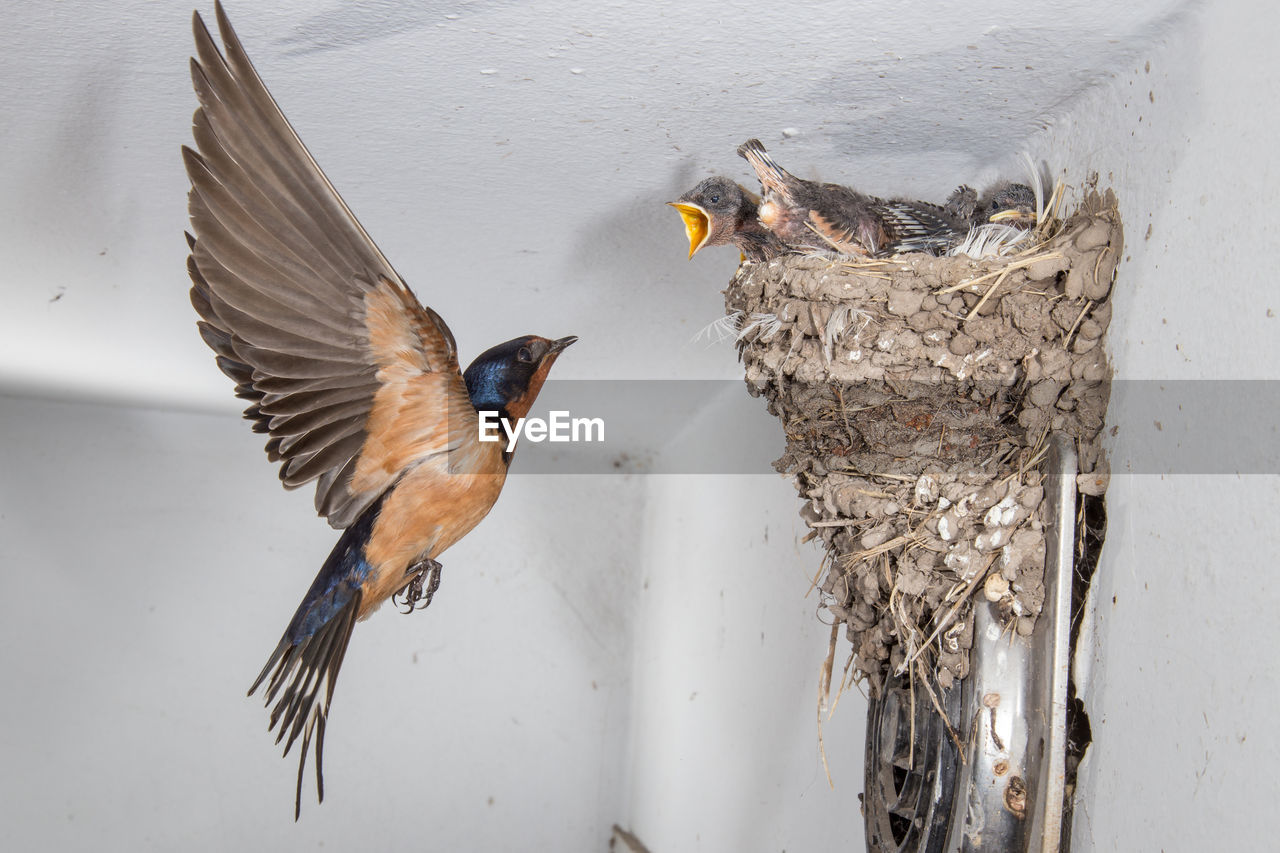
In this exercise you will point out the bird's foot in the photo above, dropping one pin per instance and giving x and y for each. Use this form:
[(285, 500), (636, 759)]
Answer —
[(426, 573)]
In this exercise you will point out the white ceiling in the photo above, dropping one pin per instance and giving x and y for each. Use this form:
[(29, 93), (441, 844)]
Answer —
[(512, 159)]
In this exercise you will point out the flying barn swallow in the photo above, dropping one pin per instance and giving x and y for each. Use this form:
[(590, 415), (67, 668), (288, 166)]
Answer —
[(356, 384), (719, 211), (807, 214)]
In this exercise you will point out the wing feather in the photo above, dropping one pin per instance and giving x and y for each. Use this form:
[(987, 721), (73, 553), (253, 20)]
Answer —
[(300, 307), (304, 468), (307, 401)]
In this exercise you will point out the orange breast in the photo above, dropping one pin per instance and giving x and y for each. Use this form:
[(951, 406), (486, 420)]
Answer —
[(433, 506)]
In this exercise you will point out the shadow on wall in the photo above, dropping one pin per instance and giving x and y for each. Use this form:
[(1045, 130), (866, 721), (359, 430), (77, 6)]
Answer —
[(639, 235), (636, 255)]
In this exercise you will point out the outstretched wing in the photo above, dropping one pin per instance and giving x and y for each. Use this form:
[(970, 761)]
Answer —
[(320, 334)]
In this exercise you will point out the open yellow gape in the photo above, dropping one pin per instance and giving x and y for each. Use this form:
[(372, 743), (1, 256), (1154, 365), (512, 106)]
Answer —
[(697, 225)]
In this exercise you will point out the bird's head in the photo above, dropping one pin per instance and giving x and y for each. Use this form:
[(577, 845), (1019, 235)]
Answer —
[(712, 211), (508, 377), (1015, 205)]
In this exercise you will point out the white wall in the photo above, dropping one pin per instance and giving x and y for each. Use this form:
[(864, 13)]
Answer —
[(150, 563), (1182, 685), (724, 750)]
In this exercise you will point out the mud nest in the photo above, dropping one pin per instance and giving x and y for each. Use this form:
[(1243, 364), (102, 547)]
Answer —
[(917, 394)]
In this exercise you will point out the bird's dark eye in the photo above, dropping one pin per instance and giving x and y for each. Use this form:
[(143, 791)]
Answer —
[(714, 199), (525, 355)]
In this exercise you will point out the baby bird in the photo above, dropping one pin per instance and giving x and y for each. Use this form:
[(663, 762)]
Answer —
[(719, 211), (811, 215), (1006, 203)]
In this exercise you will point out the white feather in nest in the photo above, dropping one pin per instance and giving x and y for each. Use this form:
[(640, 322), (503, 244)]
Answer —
[(841, 318), (994, 239), (721, 329), (735, 326), (767, 324)]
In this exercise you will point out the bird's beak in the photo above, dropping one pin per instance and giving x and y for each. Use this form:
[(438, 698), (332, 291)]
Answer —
[(697, 225), (1012, 213), (561, 344)]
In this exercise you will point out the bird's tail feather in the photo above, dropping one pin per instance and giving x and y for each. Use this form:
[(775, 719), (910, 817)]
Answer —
[(296, 672), (772, 176)]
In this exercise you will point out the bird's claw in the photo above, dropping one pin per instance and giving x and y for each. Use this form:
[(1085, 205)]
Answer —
[(416, 597)]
